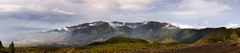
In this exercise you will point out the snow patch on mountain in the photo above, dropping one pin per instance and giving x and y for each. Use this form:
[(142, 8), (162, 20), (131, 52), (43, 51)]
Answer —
[(169, 26), (63, 29), (92, 24), (115, 24)]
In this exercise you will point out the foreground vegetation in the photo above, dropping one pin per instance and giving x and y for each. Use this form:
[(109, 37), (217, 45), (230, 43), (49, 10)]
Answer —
[(115, 44), (106, 48), (10, 49)]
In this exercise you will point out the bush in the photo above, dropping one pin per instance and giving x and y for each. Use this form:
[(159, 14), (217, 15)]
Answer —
[(234, 36)]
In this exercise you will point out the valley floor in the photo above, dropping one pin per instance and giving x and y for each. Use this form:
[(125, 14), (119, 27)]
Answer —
[(106, 48), (223, 47)]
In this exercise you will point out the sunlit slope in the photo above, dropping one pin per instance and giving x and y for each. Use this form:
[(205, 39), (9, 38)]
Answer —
[(219, 35)]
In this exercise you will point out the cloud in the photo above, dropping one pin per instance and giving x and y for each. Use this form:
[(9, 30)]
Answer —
[(63, 12), (199, 8), (9, 7), (101, 6), (134, 5), (201, 25), (232, 25), (26, 21), (182, 25)]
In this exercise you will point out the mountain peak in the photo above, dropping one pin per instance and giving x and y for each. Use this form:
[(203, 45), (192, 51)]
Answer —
[(115, 24)]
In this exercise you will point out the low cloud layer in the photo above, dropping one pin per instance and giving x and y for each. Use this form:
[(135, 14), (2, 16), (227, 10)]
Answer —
[(26, 16)]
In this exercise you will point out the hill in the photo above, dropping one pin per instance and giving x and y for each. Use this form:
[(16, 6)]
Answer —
[(219, 35), (120, 39)]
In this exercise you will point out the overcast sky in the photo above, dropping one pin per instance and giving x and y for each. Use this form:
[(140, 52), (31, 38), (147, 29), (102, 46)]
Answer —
[(26, 16)]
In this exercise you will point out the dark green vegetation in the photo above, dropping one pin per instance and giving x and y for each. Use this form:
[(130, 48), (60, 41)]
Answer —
[(1, 46), (120, 39), (2, 50), (10, 49), (219, 35)]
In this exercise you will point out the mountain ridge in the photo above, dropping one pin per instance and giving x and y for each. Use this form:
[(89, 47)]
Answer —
[(87, 33)]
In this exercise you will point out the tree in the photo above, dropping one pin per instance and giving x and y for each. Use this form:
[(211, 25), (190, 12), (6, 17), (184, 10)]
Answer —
[(1, 46), (11, 48), (2, 50)]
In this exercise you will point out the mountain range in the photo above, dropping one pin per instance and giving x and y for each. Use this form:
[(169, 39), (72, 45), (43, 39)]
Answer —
[(151, 31)]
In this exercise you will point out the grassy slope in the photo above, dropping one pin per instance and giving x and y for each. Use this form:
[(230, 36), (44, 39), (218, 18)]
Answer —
[(218, 35), (115, 44), (126, 47)]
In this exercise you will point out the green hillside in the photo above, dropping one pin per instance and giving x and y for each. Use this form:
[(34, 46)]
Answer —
[(219, 35), (127, 45), (114, 44), (120, 39)]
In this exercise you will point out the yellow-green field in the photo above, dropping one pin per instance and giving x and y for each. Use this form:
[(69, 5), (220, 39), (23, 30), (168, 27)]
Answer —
[(106, 48)]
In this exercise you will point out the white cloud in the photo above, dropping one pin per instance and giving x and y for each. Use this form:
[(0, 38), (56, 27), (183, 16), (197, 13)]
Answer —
[(134, 5), (204, 24), (199, 8), (122, 5), (63, 12), (232, 25), (182, 25), (97, 5), (9, 7)]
